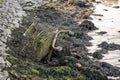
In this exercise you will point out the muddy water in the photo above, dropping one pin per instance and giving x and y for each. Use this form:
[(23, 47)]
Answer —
[(110, 24)]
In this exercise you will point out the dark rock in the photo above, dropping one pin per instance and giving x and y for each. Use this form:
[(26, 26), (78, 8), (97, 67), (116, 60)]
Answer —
[(96, 75), (87, 26), (82, 36), (55, 62), (105, 9), (110, 46), (80, 3), (102, 32), (116, 7), (103, 45), (99, 19), (103, 51), (109, 69), (78, 56), (101, 15), (119, 60), (97, 55)]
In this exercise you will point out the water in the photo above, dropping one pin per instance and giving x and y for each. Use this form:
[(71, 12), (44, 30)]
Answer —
[(109, 23)]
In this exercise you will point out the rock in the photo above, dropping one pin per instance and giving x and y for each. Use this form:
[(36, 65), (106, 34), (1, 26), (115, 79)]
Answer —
[(80, 3), (119, 60), (82, 36), (3, 75), (30, 4), (76, 55), (101, 33), (116, 7), (109, 69), (105, 9), (110, 46), (98, 15), (97, 55), (87, 26), (78, 65), (99, 19), (94, 74)]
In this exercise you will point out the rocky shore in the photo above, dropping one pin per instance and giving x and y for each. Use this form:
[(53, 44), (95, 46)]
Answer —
[(11, 14), (10, 17), (73, 63)]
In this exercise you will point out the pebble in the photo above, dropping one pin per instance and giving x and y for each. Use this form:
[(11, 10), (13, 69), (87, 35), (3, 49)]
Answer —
[(78, 65)]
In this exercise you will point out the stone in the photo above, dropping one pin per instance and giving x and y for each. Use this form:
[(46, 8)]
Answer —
[(97, 55), (116, 7), (87, 26), (78, 65), (119, 60), (102, 32), (110, 46), (109, 69), (78, 2)]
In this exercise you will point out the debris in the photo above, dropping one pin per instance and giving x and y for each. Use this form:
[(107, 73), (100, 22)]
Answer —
[(44, 39)]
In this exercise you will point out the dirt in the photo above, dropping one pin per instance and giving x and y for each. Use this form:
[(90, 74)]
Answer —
[(73, 63)]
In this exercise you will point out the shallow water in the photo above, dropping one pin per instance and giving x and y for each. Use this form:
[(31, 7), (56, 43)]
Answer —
[(109, 23)]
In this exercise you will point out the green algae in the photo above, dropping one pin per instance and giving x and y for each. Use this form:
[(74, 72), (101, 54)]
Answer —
[(11, 58), (81, 76), (10, 27), (1, 1), (30, 70), (25, 76), (45, 79), (63, 69), (68, 78), (35, 71)]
